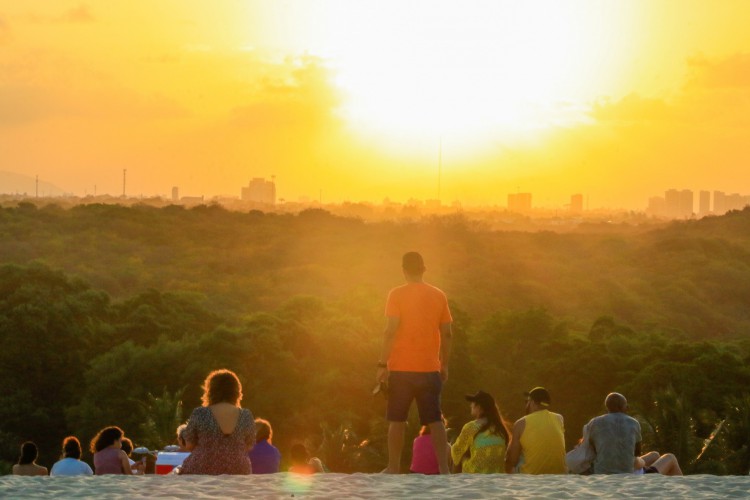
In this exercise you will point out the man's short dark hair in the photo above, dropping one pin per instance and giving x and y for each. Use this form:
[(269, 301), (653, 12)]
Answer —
[(616, 402), (413, 263)]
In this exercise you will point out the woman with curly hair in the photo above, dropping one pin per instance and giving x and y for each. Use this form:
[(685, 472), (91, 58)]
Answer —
[(108, 455), (219, 433)]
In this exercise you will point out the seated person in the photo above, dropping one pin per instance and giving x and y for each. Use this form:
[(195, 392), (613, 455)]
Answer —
[(302, 463), (481, 446), (264, 456), (26, 465), (220, 433), (108, 455), (70, 464), (127, 447), (423, 457)]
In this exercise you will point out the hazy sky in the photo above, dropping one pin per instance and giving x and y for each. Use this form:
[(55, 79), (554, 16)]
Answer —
[(618, 100)]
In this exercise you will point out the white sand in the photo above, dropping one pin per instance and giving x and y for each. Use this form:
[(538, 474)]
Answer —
[(287, 485)]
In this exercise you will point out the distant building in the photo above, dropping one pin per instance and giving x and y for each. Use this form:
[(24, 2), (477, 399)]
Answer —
[(192, 199), (672, 203), (678, 204), (720, 203), (260, 190), (433, 205), (175, 193), (704, 203), (656, 206), (519, 202), (686, 203), (576, 203)]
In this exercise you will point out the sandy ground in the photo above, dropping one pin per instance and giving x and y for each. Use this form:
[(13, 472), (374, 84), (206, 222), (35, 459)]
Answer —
[(286, 485)]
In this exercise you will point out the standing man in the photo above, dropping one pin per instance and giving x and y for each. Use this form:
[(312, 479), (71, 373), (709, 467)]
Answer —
[(539, 436), (615, 437), (414, 359)]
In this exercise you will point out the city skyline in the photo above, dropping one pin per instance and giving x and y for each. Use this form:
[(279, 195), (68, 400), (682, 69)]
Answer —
[(456, 102)]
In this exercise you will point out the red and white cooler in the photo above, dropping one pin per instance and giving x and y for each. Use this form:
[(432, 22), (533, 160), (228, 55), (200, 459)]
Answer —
[(168, 460)]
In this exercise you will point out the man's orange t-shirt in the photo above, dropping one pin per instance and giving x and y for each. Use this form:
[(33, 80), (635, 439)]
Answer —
[(421, 309)]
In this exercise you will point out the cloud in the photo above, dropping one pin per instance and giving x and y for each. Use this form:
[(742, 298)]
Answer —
[(716, 92), (297, 95), (730, 72)]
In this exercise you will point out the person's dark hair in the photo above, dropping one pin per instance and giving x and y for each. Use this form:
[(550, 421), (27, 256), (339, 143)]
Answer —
[(413, 263), (263, 430), (127, 446), (222, 386), (616, 402), (299, 454), (29, 453), (106, 437), (494, 421), (71, 447)]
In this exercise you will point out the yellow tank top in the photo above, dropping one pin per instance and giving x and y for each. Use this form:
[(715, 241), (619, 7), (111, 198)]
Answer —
[(543, 444)]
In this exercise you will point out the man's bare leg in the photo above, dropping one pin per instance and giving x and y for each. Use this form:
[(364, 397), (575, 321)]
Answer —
[(396, 432), (650, 458), (667, 465), (439, 442)]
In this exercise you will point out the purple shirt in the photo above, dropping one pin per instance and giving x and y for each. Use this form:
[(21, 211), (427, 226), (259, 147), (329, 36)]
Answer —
[(265, 458)]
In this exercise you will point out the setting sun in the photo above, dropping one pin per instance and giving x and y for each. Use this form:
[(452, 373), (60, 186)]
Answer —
[(476, 71)]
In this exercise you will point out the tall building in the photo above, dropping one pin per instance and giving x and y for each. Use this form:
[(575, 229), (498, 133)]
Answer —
[(519, 202), (678, 204), (672, 203), (260, 190), (175, 193), (720, 203), (704, 203), (686, 203), (576, 203)]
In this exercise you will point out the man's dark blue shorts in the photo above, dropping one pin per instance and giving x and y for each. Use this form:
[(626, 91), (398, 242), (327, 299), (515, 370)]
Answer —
[(404, 387)]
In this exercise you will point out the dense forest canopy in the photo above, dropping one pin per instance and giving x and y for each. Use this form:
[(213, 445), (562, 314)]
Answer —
[(113, 315)]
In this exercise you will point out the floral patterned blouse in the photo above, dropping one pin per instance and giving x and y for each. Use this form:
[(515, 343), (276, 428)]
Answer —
[(217, 453)]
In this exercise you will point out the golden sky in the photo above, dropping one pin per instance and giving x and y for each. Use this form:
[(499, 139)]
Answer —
[(618, 100)]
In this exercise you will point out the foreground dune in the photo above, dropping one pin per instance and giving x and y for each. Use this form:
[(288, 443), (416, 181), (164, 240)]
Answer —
[(287, 485)]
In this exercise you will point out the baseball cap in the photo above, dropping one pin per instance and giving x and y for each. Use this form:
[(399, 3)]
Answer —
[(481, 398), (539, 395)]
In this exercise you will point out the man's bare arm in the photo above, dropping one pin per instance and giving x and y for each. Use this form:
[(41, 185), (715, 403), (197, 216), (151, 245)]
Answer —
[(389, 335), (446, 337), (513, 453)]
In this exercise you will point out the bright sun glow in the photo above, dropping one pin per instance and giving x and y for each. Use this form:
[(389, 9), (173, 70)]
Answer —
[(464, 69)]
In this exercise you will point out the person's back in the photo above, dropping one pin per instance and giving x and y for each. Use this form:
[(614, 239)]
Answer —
[(614, 437), (29, 470), (485, 450), (423, 457), (543, 444), (70, 467), (216, 451), (264, 457), (108, 461), (421, 308)]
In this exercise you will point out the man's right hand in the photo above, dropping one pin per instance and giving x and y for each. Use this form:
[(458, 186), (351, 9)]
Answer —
[(381, 375)]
